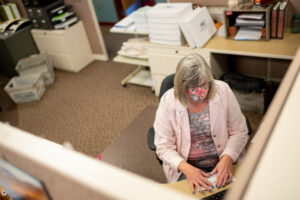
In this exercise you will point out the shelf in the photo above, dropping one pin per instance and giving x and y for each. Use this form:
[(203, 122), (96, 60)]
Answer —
[(133, 61), (124, 31), (140, 76)]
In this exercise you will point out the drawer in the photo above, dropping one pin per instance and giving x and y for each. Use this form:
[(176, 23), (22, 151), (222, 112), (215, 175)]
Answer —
[(167, 49), (163, 64), (51, 43), (62, 61)]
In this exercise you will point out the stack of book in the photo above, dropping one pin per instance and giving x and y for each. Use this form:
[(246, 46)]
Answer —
[(9, 11), (163, 22), (250, 26), (198, 27), (140, 19), (277, 16)]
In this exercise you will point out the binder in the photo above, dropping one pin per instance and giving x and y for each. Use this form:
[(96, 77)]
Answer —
[(281, 15), (274, 20)]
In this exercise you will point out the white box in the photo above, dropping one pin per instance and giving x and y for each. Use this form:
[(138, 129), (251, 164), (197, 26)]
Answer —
[(26, 88), (200, 26), (37, 63), (169, 10)]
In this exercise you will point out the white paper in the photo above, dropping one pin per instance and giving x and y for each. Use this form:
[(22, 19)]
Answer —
[(246, 33), (250, 16), (213, 178)]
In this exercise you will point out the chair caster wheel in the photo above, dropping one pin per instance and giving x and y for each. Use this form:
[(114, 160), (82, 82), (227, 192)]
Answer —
[(124, 85)]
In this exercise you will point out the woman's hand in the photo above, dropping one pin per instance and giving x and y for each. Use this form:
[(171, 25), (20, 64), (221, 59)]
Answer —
[(224, 170), (195, 177)]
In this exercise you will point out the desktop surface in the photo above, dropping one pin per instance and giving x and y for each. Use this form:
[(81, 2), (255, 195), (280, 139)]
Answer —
[(285, 48)]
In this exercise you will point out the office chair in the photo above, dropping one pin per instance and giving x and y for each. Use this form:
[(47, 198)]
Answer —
[(167, 84)]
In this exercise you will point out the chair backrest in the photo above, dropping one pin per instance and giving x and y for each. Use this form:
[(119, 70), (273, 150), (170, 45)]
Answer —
[(166, 84)]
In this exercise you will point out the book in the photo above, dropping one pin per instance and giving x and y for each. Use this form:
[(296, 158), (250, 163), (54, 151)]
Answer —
[(281, 14), (274, 20), (14, 10), (200, 25), (6, 12)]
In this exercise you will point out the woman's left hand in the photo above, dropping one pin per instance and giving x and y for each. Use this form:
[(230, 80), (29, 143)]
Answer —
[(224, 170)]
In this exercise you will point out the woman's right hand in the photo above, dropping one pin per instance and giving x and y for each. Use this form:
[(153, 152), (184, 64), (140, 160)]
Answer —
[(195, 177)]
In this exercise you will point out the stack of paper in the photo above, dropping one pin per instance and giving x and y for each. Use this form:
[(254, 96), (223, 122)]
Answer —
[(198, 27), (248, 33), (163, 22), (250, 26), (140, 19)]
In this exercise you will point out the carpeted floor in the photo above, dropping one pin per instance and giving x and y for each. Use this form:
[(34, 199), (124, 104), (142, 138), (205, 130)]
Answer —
[(130, 151)]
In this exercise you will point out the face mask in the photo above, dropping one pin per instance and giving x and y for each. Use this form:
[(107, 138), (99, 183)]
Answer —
[(198, 94)]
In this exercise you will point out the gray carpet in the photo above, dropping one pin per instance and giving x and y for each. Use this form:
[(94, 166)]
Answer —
[(130, 151)]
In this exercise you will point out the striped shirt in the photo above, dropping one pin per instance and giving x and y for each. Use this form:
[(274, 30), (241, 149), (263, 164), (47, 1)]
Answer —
[(203, 153)]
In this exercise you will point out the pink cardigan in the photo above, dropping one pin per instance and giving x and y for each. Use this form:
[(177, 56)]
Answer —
[(172, 129)]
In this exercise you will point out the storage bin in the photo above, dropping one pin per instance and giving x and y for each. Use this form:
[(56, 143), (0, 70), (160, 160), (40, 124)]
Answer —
[(26, 88), (37, 63)]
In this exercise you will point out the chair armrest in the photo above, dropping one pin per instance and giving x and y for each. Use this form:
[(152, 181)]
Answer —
[(150, 138)]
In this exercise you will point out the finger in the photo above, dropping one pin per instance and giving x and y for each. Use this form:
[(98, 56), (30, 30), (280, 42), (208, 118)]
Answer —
[(213, 171), (199, 188), (209, 184), (192, 187), (205, 174), (230, 178), (219, 180), (225, 178), (205, 185)]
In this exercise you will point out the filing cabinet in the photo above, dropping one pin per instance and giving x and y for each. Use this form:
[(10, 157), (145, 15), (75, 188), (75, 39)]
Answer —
[(163, 60), (69, 49)]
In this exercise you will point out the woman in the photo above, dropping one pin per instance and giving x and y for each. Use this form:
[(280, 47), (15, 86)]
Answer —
[(199, 127)]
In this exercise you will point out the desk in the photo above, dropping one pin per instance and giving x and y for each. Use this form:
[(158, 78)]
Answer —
[(184, 187), (263, 57)]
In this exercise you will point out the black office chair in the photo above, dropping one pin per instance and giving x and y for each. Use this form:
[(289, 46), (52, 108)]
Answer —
[(167, 84)]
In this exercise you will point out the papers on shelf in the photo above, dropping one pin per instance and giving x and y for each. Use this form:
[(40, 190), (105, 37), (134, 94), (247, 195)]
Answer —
[(249, 22), (125, 23), (251, 16), (248, 33)]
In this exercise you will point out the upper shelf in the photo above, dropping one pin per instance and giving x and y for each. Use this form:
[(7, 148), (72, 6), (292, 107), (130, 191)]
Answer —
[(133, 61)]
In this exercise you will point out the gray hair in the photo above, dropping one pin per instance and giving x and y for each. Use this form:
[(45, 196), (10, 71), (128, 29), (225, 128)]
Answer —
[(191, 71)]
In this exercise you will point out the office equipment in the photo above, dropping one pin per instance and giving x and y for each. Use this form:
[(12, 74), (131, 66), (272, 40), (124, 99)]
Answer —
[(72, 175), (281, 15), (37, 63), (274, 19), (216, 196), (15, 46), (69, 49), (41, 15), (17, 25), (277, 135), (200, 26), (165, 14), (26, 88)]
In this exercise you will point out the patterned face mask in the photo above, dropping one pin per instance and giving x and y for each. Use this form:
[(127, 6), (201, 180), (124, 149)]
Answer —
[(199, 93)]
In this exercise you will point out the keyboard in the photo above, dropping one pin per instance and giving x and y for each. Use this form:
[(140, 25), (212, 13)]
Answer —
[(217, 196)]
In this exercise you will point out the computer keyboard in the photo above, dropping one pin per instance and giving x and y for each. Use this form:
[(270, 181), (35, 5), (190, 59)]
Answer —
[(217, 196)]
